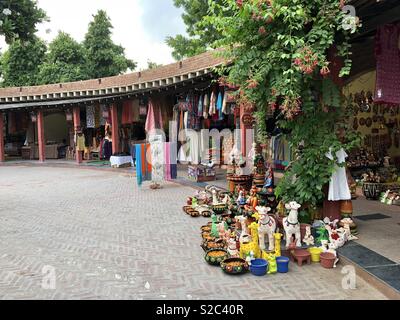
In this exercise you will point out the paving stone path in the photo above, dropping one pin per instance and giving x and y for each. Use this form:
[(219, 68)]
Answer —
[(102, 237)]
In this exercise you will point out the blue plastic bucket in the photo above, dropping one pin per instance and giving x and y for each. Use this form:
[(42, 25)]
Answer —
[(259, 267), (283, 264)]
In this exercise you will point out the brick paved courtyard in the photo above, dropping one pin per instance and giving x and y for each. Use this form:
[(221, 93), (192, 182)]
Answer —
[(108, 239)]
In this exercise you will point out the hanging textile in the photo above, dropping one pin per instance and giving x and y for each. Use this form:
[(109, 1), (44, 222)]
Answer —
[(206, 105), (167, 157), (219, 106), (157, 158), (213, 104), (80, 142), (173, 160), (97, 116), (225, 104), (127, 112), (135, 111), (387, 53), (143, 167), (200, 107), (90, 117), (103, 112), (154, 117)]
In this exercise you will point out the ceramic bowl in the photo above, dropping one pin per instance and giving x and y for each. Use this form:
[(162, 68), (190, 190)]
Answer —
[(216, 256), (234, 266)]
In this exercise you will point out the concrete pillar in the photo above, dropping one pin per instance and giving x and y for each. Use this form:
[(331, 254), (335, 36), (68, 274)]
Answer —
[(2, 155), (77, 126), (41, 140), (114, 129)]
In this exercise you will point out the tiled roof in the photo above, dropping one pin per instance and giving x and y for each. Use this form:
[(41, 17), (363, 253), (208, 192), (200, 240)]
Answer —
[(156, 78)]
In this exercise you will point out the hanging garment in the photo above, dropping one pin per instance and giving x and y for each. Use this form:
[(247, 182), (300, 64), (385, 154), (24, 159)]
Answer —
[(143, 163), (154, 117), (388, 64), (103, 113), (219, 106), (225, 104), (206, 105), (90, 117), (127, 112), (157, 158), (97, 116), (339, 187), (200, 107), (173, 159), (80, 142), (213, 104), (167, 161), (135, 111)]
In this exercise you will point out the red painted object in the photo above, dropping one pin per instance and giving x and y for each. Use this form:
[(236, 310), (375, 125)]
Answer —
[(114, 129), (301, 256), (2, 155), (77, 127), (41, 142)]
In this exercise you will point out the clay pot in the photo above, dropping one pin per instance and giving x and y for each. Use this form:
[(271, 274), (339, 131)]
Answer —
[(327, 260), (346, 208)]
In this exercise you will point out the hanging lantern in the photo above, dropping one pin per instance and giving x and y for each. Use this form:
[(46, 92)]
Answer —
[(68, 115), (33, 116)]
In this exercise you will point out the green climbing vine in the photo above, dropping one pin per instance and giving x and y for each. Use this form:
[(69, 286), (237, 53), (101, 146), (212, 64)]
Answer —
[(282, 63)]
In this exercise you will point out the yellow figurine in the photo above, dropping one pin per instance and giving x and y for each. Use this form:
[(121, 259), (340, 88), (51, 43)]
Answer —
[(272, 265), (252, 246), (281, 209), (278, 239)]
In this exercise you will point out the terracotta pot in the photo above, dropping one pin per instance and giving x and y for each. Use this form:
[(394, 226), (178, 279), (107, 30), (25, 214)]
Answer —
[(346, 207), (327, 260)]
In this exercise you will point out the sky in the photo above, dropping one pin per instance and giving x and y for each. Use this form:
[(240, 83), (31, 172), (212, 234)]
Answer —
[(140, 26)]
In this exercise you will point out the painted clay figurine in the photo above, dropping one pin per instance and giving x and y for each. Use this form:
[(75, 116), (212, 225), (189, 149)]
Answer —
[(291, 224), (232, 248), (214, 228), (308, 238), (266, 227)]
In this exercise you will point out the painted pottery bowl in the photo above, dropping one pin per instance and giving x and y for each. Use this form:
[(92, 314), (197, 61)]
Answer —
[(219, 209), (216, 256), (207, 236), (206, 228), (234, 266), (213, 244)]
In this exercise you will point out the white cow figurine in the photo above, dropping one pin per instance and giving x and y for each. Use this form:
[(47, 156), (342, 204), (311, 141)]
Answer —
[(266, 226), (291, 224)]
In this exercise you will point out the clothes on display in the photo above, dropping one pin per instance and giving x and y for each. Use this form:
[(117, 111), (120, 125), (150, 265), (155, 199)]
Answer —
[(80, 142), (280, 152), (154, 117), (388, 64), (156, 161), (338, 186), (90, 117)]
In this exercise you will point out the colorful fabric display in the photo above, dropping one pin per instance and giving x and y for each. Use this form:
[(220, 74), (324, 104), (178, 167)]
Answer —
[(225, 104), (143, 166), (206, 105), (388, 64), (127, 112), (213, 104), (200, 107), (154, 117), (219, 106), (90, 117)]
